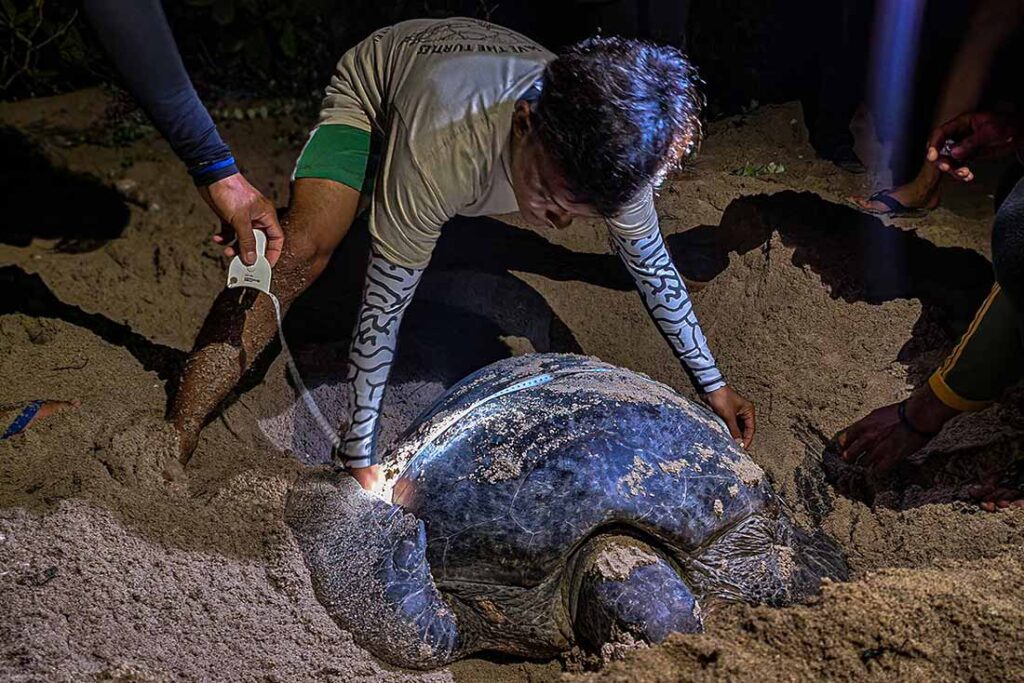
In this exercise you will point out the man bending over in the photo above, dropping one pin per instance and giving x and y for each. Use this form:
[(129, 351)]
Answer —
[(471, 119)]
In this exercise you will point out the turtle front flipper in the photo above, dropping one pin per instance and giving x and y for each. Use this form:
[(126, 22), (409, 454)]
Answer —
[(367, 561), (624, 591)]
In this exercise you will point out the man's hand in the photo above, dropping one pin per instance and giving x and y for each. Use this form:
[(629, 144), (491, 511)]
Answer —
[(737, 412), (242, 209), (977, 135), (370, 478), (880, 440), (1001, 490)]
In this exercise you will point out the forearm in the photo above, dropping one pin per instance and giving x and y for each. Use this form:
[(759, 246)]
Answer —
[(136, 35), (992, 23), (668, 302), (387, 294)]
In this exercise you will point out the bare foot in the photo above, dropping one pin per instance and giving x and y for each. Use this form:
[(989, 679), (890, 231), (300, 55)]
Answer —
[(17, 417), (1001, 491)]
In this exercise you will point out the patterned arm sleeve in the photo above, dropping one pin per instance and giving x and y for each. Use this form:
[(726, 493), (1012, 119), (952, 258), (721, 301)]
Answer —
[(636, 238), (386, 295)]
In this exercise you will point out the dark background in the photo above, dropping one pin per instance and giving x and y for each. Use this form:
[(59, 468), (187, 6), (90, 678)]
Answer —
[(748, 51)]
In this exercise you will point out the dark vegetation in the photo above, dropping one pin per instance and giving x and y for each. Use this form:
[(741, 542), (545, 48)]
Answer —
[(256, 47), (286, 48), (748, 52)]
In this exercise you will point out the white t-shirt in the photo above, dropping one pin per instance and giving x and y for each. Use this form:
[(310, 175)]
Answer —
[(441, 94)]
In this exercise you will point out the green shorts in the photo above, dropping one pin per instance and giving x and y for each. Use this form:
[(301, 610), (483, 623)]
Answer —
[(336, 152)]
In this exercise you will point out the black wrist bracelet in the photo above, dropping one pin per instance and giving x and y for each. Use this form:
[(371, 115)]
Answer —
[(902, 411)]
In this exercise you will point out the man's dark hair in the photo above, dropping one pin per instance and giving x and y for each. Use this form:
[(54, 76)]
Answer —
[(616, 114)]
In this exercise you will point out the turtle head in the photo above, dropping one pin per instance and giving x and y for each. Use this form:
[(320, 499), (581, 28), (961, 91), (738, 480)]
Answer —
[(624, 591)]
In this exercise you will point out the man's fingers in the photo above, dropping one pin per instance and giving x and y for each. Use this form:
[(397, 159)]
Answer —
[(225, 234), (226, 238), (882, 458), (847, 438), (956, 128), (265, 218), (980, 491), (934, 144), (734, 429), (965, 149), (749, 426), (1002, 494), (855, 450), (275, 242), (963, 174), (938, 136), (246, 241)]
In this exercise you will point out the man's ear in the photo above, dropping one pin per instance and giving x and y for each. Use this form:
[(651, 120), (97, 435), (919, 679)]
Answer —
[(521, 121)]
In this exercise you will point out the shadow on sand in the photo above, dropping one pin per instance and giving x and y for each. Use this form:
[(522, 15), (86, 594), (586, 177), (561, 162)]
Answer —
[(43, 201)]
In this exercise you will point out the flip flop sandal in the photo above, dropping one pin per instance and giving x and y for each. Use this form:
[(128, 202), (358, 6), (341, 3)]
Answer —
[(21, 422), (895, 208)]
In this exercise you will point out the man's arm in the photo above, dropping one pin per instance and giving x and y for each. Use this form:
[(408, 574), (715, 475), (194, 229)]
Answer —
[(405, 222), (668, 302), (386, 296), (136, 35), (636, 237)]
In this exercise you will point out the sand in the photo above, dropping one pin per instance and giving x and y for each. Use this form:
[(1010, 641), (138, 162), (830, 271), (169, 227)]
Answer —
[(110, 571), (618, 561)]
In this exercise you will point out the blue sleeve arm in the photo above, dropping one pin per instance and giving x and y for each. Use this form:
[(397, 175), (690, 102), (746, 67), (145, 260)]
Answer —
[(136, 35)]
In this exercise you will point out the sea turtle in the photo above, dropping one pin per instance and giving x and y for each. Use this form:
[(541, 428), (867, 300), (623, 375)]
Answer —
[(547, 502)]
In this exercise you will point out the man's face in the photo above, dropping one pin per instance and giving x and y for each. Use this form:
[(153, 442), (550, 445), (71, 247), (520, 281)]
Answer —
[(541, 191)]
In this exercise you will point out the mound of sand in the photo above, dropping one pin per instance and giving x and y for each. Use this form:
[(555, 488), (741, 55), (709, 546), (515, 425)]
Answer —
[(954, 621)]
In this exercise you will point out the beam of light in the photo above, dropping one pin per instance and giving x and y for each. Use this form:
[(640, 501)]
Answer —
[(895, 40)]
